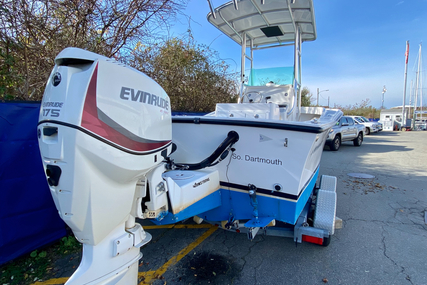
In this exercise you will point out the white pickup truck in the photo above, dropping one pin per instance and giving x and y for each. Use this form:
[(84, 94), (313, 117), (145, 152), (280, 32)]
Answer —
[(346, 129), (370, 127)]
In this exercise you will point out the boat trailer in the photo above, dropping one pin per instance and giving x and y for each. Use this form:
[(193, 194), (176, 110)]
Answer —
[(316, 223)]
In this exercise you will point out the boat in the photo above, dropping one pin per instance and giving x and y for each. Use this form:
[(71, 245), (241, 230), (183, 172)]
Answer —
[(112, 152), (272, 169)]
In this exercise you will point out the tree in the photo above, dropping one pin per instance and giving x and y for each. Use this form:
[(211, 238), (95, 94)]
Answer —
[(193, 76), (33, 32), (8, 75), (306, 97), (364, 109)]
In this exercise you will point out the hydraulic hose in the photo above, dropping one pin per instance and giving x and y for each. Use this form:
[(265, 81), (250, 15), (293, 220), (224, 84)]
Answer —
[(231, 139)]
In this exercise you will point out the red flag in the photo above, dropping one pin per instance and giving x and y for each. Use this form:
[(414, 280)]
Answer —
[(407, 51)]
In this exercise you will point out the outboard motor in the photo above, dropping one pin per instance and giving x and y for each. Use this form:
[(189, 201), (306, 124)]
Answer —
[(103, 127)]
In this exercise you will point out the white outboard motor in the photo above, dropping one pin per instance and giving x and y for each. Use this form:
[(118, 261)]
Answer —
[(103, 127)]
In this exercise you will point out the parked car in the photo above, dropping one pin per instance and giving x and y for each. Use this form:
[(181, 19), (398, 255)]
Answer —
[(420, 125), (346, 129), (370, 127)]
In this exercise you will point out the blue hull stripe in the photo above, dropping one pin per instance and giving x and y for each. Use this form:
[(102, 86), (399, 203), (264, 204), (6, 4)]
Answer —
[(225, 204), (209, 202), (237, 204)]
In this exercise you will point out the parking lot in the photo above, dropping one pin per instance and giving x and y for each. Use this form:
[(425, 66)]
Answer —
[(383, 239)]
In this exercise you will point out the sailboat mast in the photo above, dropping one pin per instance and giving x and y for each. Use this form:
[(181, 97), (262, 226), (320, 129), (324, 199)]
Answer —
[(421, 84), (410, 96), (403, 125), (417, 83)]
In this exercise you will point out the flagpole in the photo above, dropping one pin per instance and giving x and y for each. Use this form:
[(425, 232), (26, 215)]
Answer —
[(382, 97), (403, 125)]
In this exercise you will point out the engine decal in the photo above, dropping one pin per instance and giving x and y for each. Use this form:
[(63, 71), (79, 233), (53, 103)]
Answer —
[(51, 109), (197, 184), (143, 97), (114, 133), (263, 138)]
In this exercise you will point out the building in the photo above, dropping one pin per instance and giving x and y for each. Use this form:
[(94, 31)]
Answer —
[(392, 118)]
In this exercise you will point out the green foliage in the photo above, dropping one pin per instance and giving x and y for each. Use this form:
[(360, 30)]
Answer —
[(25, 271), (193, 75), (9, 79), (39, 264), (306, 97), (37, 255), (69, 243)]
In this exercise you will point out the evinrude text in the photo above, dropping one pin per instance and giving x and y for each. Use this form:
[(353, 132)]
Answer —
[(49, 109), (144, 97)]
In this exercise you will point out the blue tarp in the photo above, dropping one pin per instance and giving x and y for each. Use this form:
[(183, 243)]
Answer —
[(28, 216)]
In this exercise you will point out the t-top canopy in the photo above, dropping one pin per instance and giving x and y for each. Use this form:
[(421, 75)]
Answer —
[(266, 22)]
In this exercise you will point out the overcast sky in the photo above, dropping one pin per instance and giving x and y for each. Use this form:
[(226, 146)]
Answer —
[(360, 47)]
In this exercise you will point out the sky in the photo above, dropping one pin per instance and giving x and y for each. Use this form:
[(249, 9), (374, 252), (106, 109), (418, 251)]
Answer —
[(360, 48)]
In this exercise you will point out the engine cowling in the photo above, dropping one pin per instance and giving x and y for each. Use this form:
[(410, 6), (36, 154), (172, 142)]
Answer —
[(102, 125)]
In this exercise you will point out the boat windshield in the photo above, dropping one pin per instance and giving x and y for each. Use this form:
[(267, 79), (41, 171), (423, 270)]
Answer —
[(276, 75)]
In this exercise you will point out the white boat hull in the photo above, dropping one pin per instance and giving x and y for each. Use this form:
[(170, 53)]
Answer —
[(280, 159)]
